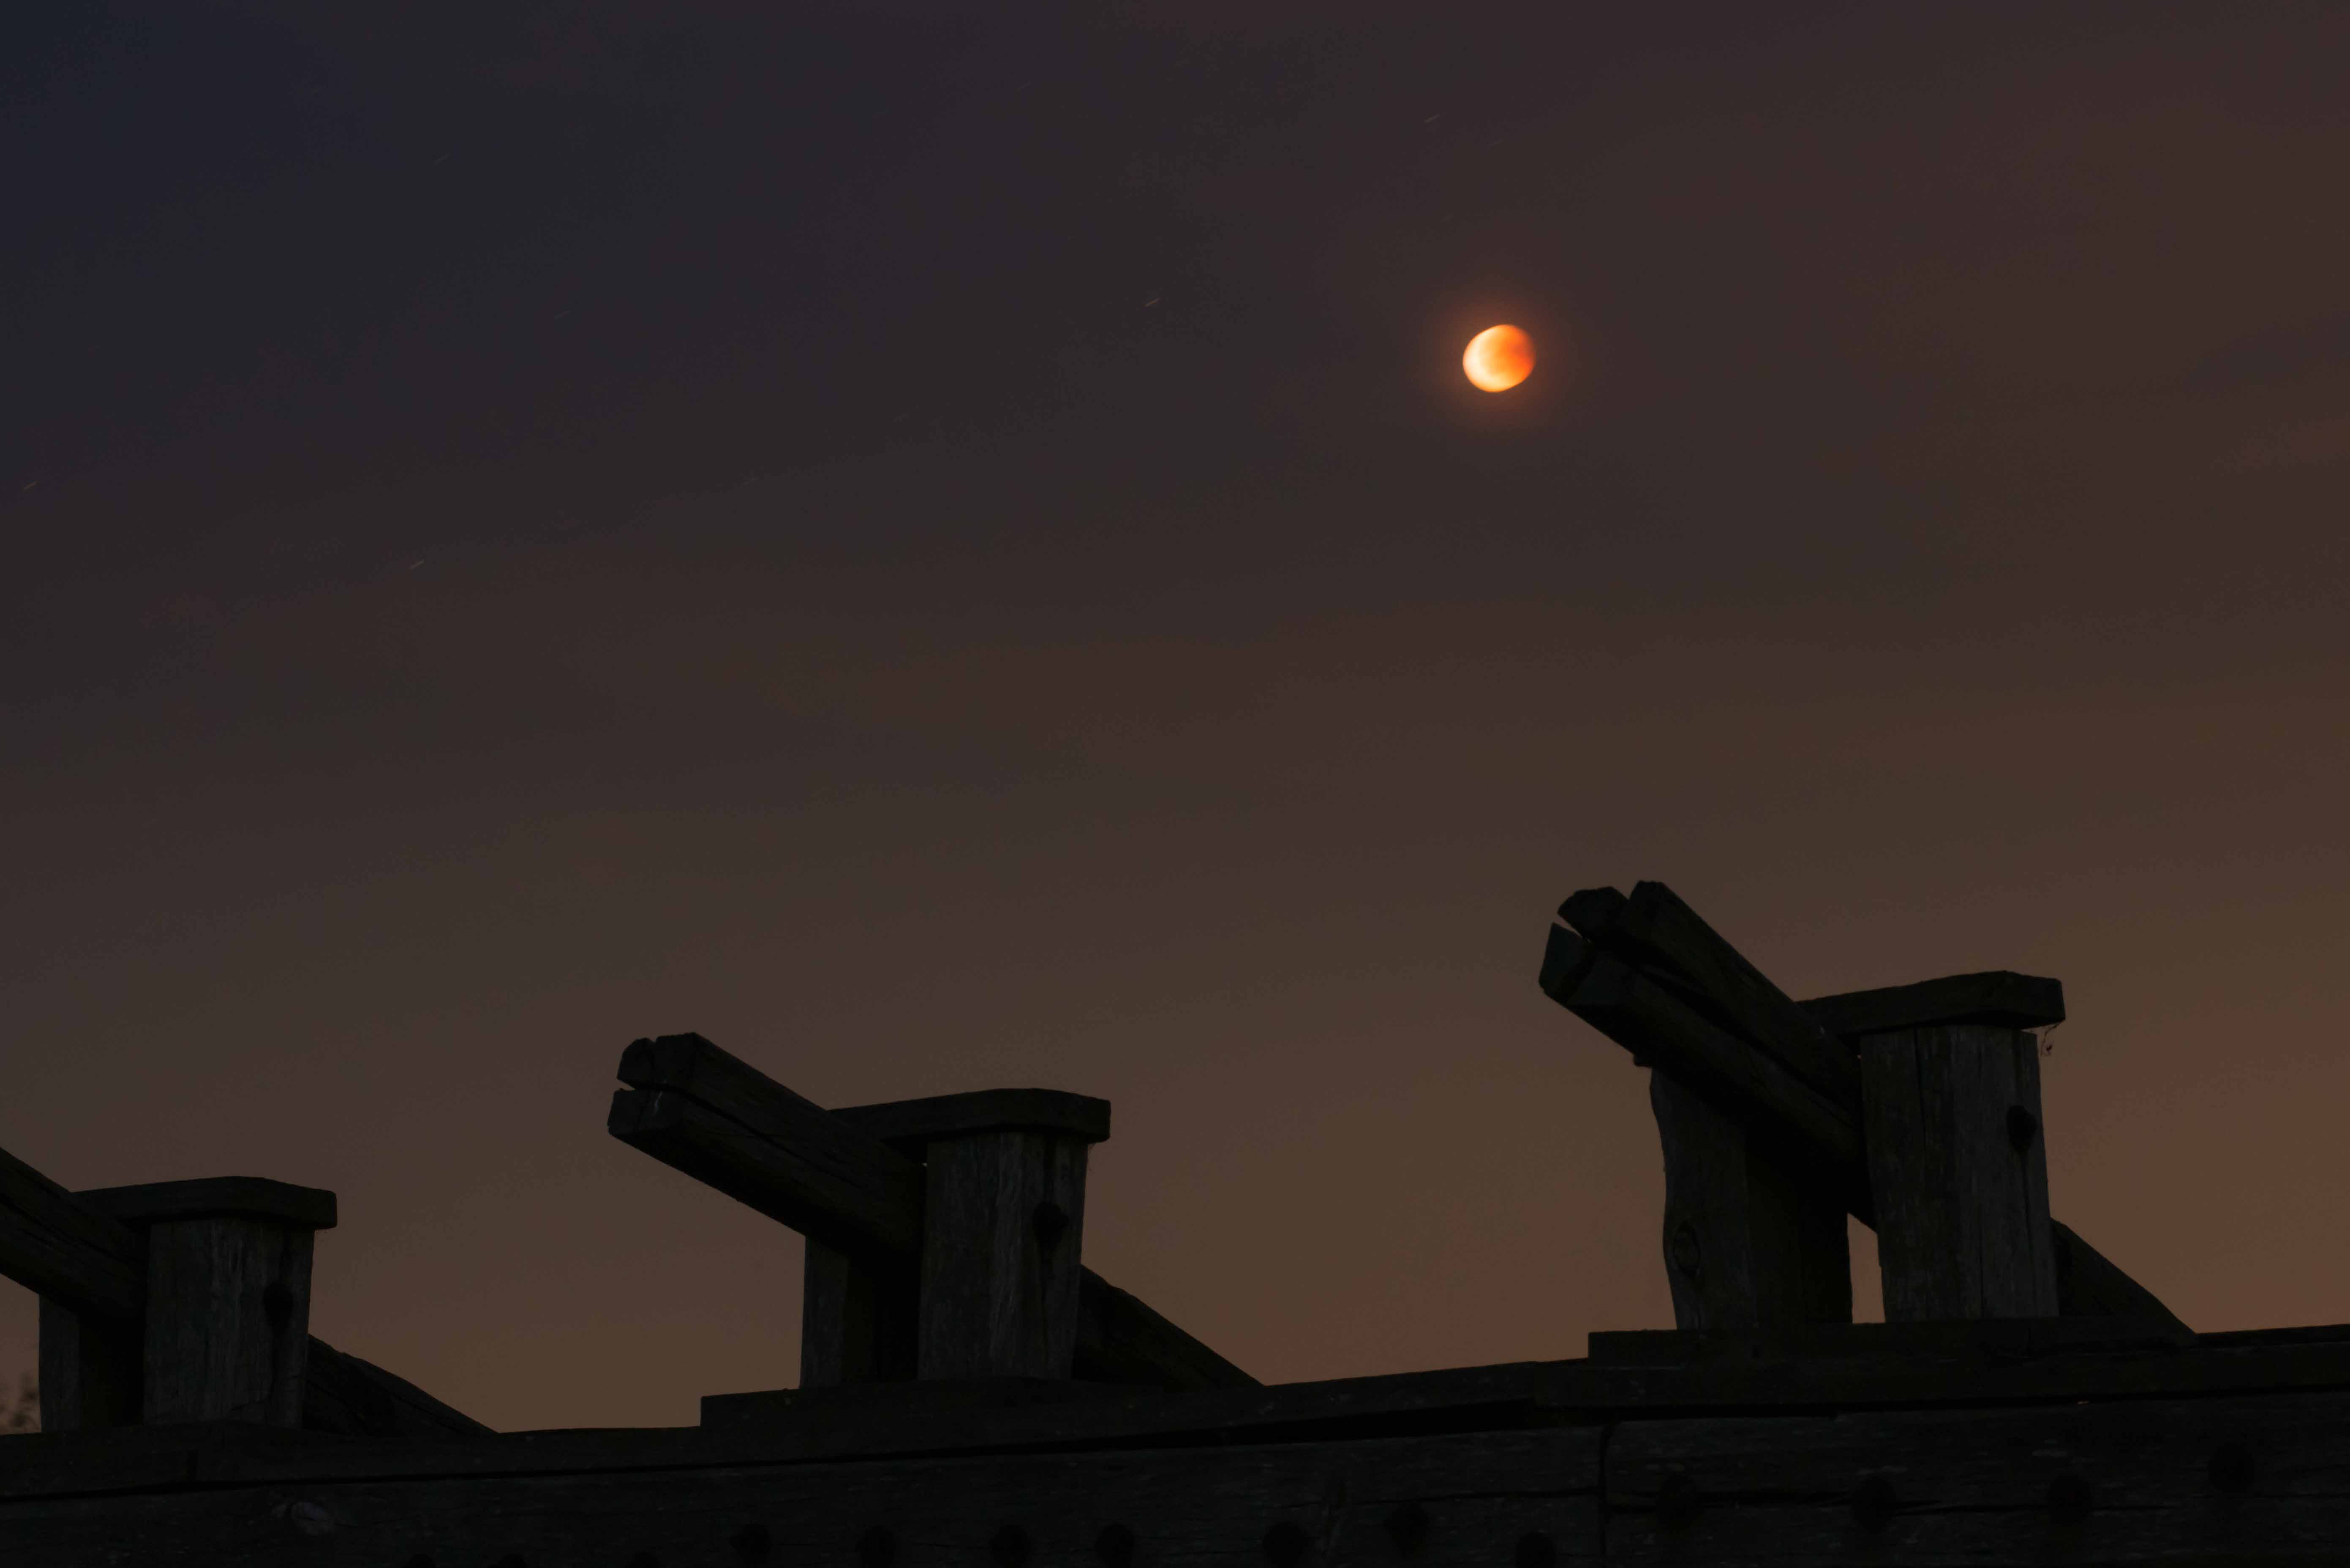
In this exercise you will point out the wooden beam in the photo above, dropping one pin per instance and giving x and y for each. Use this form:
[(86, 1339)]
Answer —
[(1752, 1242), (1996, 996), (1960, 1172), (853, 1192), (66, 1250), (2087, 1286), (763, 1145), (1657, 1022), (346, 1395), (1651, 1001)]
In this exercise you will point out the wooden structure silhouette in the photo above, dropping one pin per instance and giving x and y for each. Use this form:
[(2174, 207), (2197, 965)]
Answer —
[(970, 1393)]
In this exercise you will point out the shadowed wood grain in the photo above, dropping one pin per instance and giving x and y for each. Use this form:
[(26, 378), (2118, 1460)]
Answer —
[(1752, 1241), (66, 1250), (1477, 1498), (2087, 1286), (1003, 1220), (90, 1369), (1959, 1172), (857, 1319), (228, 1321), (2209, 1480)]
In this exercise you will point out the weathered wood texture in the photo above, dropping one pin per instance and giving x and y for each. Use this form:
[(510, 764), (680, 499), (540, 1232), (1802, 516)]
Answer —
[(1995, 996), (90, 1369), (1660, 1025), (2242, 1480), (1752, 1241), (1656, 925), (228, 1321), (731, 1126), (66, 1251), (857, 1319), (1003, 1223), (1702, 1024), (1959, 1170), (1528, 1499), (342, 1393), (858, 1195)]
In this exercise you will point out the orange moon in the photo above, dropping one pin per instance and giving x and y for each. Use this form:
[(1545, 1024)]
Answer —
[(1498, 359)]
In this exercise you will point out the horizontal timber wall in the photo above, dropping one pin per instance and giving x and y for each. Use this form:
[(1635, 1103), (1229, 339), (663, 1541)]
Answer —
[(1975, 1448)]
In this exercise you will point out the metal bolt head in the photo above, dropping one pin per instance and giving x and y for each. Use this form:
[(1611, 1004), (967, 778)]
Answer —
[(2231, 1468), (1408, 1527), (877, 1548), (1285, 1545), (1115, 1546), (1535, 1550), (752, 1543), (1874, 1503), (1676, 1501), (1009, 1547), (2070, 1499)]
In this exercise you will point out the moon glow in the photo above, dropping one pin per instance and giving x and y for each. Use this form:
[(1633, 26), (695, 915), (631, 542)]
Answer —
[(1498, 359)]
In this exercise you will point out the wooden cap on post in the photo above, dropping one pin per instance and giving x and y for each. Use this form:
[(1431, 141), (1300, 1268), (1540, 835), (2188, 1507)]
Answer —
[(228, 1293)]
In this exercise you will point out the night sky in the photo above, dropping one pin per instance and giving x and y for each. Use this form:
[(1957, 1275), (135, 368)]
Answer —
[(946, 546)]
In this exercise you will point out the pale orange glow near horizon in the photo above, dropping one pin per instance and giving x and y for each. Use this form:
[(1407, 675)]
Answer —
[(1498, 359)]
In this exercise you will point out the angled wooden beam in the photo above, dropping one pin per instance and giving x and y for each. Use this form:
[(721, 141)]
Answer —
[(69, 1253), (1681, 999), (700, 1110)]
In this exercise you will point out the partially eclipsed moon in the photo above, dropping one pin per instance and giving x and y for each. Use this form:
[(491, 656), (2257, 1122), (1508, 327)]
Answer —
[(1498, 359)]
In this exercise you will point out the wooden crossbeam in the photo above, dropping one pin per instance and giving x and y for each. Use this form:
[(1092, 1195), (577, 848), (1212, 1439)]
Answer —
[(1651, 974), (695, 1108), (91, 1271)]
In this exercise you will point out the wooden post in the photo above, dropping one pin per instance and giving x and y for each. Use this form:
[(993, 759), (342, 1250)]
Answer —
[(89, 1369), (1753, 1241), (228, 1295), (1003, 1225), (857, 1320), (1959, 1172)]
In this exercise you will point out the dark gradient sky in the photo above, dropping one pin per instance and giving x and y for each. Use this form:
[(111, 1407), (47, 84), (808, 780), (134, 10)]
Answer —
[(947, 546)]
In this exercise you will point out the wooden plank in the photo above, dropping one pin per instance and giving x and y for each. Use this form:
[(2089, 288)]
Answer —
[(1003, 1218), (1994, 996), (228, 1321), (1530, 1499), (1752, 1242), (66, 1251), (1656, 925), (788, 1159), (1657, 1023), (91, 1369), (1958, 1169), (814, 1173), (2203, 1481), (1654, 1021), (857, 1319), (837, 1185), (916, 1122), (2087, 1284), (343, 1394), (213, 1197)]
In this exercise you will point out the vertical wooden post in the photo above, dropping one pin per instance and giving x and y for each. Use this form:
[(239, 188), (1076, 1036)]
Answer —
[(1959, 1172), (228, 1295), (857, 1320), (1753, 1241), (89, 1369), (1003, 1226)]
